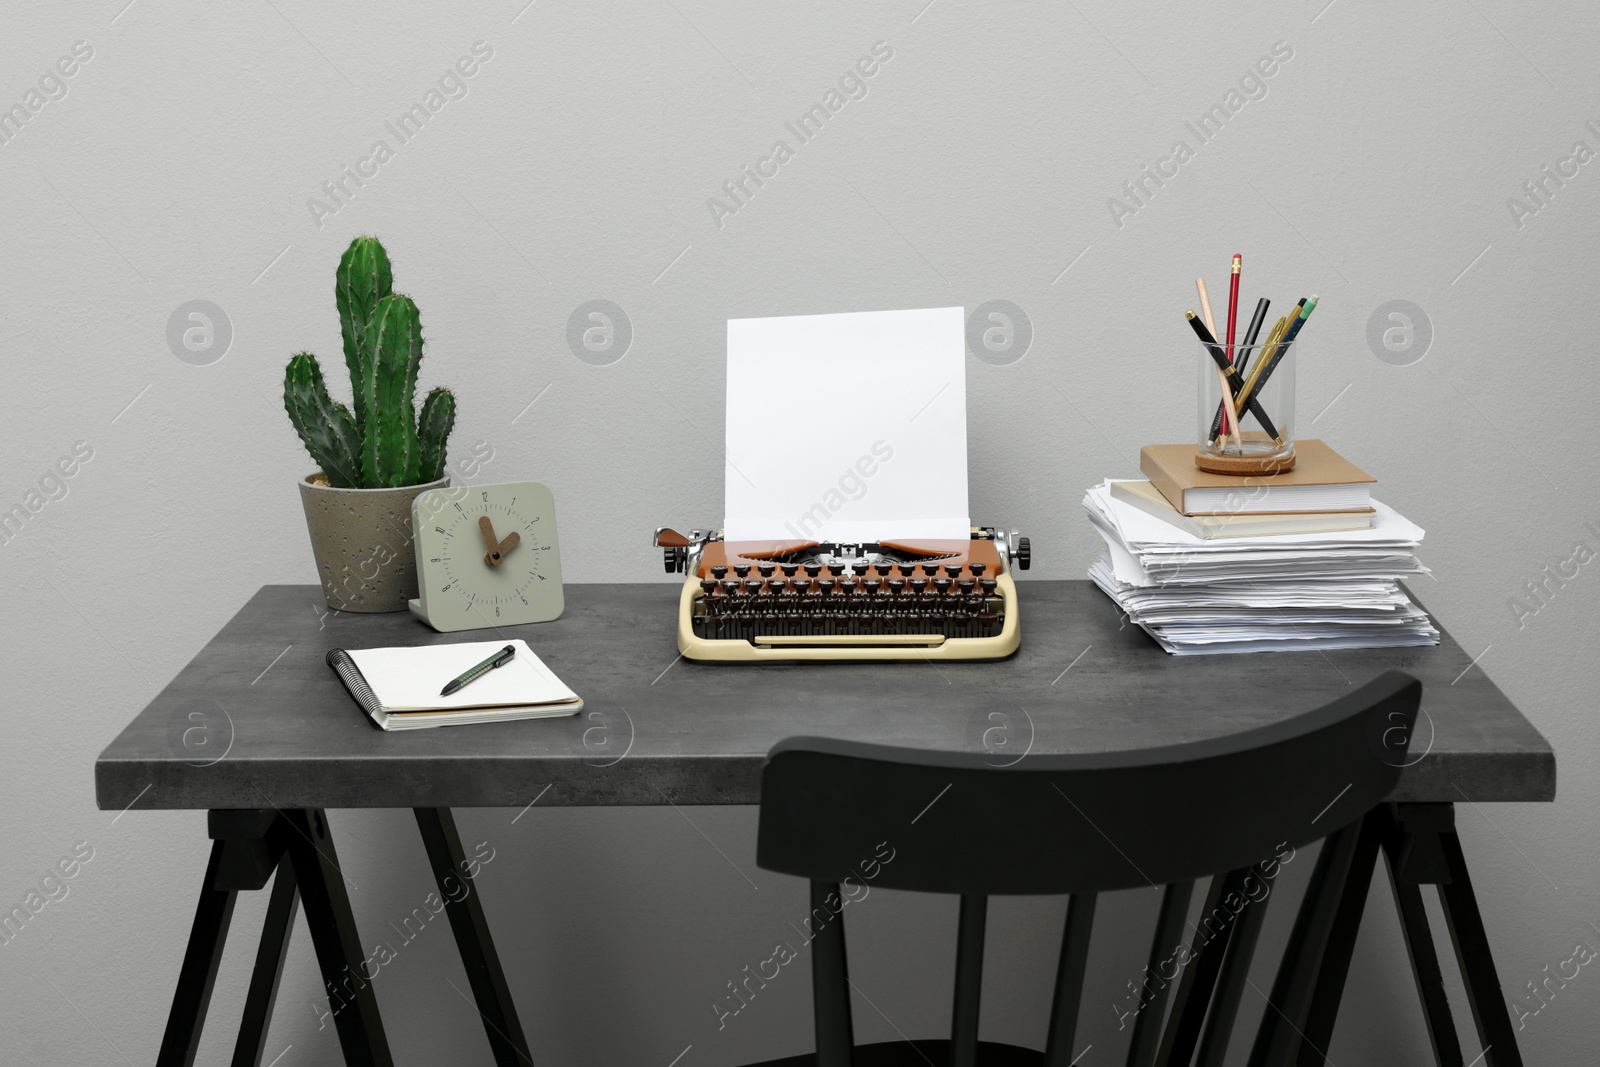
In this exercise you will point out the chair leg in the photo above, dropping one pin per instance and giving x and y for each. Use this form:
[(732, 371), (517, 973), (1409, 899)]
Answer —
[(1169, 932), (198, 976), (1230, 984), (1471, 942), (473, 940), (1279, 1039), (1199, 981), (1324, 1009), (1425, 969), (333, 933), (270, 954)]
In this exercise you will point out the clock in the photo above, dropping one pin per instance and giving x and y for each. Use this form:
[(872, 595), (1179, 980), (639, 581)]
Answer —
[(486, 556)]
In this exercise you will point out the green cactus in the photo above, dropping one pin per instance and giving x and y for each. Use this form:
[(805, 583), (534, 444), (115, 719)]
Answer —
[(325, 426), (364, 277), (438, 418), (383, 443)]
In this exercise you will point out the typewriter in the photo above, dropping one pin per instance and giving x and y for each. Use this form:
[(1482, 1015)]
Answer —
[(878, 562), (773, 601)]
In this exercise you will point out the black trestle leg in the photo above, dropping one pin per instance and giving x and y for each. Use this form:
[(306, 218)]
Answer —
[(207, 937), (1425, 969), (465, 908), (1477, 965), (270, 954), (333, 933)]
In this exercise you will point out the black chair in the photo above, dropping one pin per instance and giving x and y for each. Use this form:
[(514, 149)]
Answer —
[(839, 812)]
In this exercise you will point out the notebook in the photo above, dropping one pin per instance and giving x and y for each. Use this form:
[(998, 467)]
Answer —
[(398, 688), (1322, 480), (1148, 499)]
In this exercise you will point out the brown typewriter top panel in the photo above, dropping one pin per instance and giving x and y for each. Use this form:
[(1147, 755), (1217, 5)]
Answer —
[(733, 553)]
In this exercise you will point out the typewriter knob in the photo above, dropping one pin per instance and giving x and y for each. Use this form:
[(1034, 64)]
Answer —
[(1024, 552), (676, 558)]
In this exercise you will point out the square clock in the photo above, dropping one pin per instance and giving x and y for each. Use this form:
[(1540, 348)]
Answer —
[(487, 555)]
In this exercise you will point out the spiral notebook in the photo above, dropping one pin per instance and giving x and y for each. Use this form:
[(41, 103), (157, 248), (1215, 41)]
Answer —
[(398, 688)]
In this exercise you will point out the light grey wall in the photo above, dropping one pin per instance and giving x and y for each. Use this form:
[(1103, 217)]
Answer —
[(1374, 165)]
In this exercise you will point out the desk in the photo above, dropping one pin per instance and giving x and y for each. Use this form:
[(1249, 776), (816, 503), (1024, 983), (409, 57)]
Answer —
[(258, 731)]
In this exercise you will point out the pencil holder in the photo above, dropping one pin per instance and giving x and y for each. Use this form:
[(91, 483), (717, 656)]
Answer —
[(1264, 443)]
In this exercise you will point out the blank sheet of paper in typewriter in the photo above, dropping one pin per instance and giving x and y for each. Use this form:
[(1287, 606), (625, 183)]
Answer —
[(847, 428)]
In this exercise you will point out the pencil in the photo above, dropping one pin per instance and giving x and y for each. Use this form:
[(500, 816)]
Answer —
[(1222, 379)]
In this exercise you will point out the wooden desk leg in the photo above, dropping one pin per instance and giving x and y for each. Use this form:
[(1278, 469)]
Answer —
[(274, 947), (473, 940), (207, 937), (333, 934), (1342, 941)]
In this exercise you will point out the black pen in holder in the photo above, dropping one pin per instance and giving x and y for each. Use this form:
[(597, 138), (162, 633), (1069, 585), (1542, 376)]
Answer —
[(1261, 439)]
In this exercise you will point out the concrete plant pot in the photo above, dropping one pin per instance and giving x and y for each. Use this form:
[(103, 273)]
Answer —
[(361, 540)]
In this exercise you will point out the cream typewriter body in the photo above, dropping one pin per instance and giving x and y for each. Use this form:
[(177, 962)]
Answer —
[(775, 601)]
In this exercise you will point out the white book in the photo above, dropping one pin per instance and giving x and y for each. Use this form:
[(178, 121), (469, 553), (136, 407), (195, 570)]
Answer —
[(399, 688)]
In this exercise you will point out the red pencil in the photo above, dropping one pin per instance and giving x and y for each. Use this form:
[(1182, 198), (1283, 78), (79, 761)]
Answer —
[(1233, 302)]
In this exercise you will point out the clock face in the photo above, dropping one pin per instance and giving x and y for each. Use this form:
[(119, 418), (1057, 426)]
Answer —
[(487, 555)]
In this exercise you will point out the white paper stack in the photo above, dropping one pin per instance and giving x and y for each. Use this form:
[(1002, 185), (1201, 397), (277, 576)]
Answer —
[(1260, 594)]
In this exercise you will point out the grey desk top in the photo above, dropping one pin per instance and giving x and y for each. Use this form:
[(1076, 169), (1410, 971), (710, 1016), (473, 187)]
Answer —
[(257, 718)]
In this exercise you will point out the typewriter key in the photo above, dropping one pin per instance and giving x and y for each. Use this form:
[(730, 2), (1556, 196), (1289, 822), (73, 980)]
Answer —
[(966, 585), (766, 567), (752, 585), (897, 586), (918, 585), (931, 569), (942, 585), (977, 569), (952, 569), (988, 585), (742, 569), (860, 568), (789, 569), (813, 569), (719, 572), (871, 585)]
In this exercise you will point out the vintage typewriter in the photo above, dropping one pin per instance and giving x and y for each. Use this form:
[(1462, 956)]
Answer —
[(878, 561), (755, 601)]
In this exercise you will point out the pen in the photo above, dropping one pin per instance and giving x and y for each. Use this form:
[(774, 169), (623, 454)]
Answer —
[(1209, 342), (1265, 367), (499, 659)]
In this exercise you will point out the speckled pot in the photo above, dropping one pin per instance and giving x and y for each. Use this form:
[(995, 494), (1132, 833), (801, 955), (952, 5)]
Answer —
[(361, 540)]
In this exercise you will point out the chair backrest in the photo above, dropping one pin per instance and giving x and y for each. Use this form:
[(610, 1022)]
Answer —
[(844, 814)]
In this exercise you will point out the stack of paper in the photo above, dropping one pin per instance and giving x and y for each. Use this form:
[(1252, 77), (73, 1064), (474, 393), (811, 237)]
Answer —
[(1260, 594)]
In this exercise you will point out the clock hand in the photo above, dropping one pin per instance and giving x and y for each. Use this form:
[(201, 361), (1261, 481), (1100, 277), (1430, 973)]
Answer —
[(491, 546), (513, 539)]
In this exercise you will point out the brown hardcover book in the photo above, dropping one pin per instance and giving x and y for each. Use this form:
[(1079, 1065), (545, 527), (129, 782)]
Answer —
[(1321, 481)]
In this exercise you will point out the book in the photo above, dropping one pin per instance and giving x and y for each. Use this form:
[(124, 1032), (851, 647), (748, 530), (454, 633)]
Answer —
[(1321, 481), (398, 688), (1148, 499)]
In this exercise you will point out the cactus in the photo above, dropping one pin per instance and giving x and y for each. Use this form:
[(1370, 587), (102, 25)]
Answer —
[(325, 426), (364, 277), (383, 443), (433, 429)]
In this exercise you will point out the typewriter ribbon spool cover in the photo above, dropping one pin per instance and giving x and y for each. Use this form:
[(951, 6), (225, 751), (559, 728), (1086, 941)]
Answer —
[(845, 529)]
